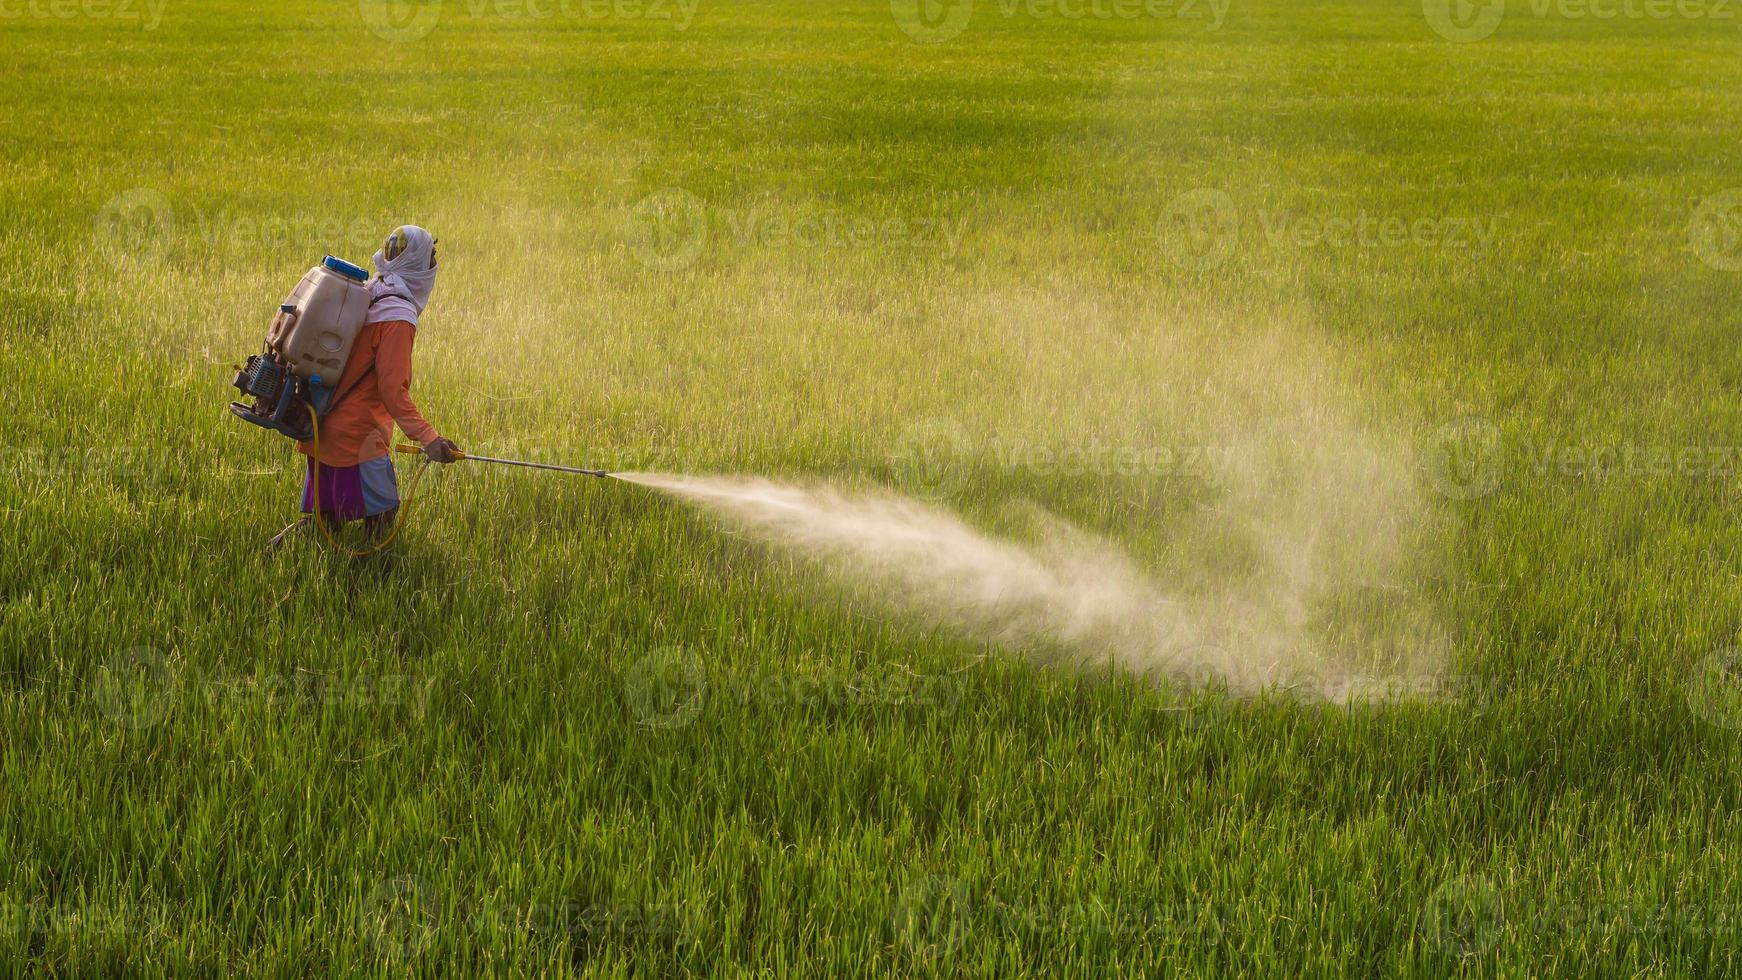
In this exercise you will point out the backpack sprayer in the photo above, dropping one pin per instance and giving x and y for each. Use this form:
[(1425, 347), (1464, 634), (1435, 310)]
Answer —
[(291, 383)]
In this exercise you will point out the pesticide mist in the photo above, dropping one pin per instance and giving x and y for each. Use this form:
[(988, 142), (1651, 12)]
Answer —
[(1302, 561), (1074, 592)]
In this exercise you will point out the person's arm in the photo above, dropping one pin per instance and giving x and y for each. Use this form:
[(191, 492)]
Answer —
[(393, 378)]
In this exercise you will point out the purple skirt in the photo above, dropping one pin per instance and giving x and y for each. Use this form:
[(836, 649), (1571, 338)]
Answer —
[(352, 492)]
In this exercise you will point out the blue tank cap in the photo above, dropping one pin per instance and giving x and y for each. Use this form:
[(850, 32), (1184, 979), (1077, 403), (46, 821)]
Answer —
[(346, 269)]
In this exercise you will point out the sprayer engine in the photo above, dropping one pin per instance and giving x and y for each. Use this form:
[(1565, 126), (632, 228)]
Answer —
[(307, 348), (279, 399)]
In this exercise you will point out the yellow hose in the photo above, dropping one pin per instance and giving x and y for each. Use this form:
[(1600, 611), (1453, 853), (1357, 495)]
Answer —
[(320, 522)]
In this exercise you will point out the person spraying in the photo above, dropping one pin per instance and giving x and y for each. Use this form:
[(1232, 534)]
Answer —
[(335, 375), (349, 472)]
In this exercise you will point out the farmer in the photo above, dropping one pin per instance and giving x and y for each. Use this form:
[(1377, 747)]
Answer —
[(356, 434)]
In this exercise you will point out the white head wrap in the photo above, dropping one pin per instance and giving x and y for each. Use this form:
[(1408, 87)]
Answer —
[(402, 284)]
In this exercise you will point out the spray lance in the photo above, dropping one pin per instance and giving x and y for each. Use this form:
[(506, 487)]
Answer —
[(470, 458)]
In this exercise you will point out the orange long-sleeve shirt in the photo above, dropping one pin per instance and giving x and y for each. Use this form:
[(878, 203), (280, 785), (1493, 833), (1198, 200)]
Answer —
[(374, 393)]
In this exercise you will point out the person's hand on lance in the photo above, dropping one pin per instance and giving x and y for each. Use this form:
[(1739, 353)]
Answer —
[(443, 450)]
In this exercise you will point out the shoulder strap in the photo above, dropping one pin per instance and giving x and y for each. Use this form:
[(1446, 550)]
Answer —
[(354, 385)]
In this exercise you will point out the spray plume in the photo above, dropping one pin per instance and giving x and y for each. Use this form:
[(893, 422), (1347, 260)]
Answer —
[(1070, 592)]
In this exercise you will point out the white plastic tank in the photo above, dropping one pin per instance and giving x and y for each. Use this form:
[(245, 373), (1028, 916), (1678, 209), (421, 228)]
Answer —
[(320, 319)]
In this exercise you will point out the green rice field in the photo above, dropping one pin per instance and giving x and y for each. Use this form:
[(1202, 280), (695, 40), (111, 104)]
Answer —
[(1201, 488)]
